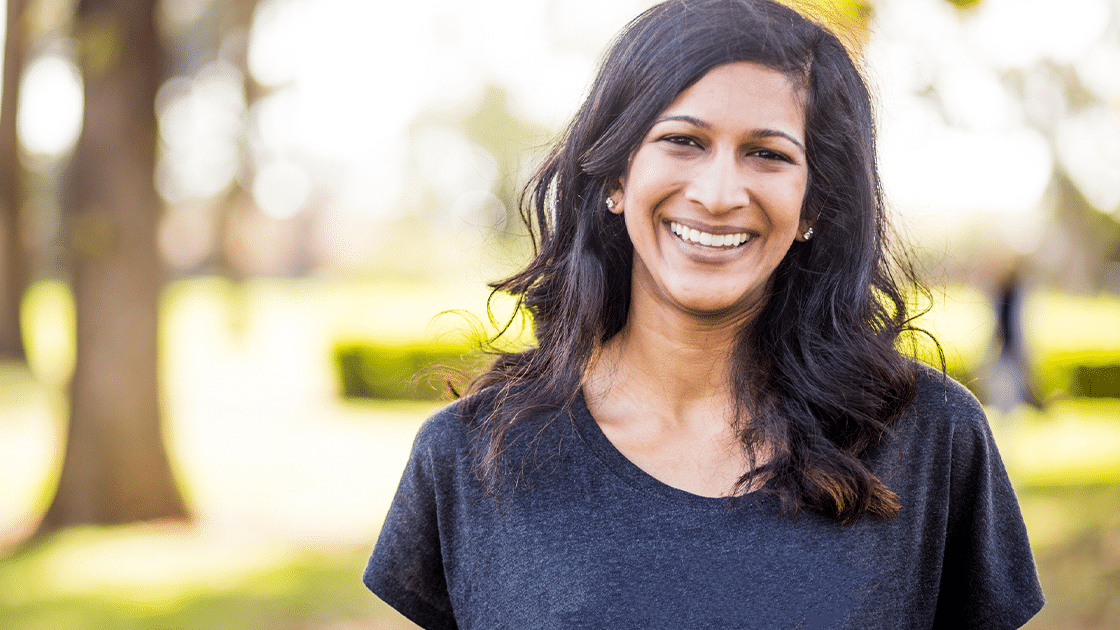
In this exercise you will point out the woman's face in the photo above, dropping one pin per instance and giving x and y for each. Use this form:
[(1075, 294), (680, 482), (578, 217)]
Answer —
[(712, 197)]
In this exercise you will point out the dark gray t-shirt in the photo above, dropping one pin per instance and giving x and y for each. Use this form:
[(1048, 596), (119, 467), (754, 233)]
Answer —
[(586, 539)]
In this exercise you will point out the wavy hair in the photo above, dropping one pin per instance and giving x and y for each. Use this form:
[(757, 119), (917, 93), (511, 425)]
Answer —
[(816, 376)]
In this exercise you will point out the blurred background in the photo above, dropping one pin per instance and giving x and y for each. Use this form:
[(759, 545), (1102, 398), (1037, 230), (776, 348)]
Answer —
[(235, 233)]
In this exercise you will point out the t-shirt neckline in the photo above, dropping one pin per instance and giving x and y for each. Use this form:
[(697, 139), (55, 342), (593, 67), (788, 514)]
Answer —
[(592, 435)]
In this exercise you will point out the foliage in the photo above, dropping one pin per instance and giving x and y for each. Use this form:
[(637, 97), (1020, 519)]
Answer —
[(1080, 374), (1096, 381), (851, 19), (416, 372), (963, 4)]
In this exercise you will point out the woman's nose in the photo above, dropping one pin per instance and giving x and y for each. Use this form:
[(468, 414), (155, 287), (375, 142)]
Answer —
[(719, 184)]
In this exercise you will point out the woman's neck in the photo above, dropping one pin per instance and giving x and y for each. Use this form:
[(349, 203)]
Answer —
[(659, 391), (671, 361)]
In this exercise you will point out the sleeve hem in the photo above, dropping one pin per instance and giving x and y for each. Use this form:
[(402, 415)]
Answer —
[(1013, 619), (408, 604), (1027, 613)]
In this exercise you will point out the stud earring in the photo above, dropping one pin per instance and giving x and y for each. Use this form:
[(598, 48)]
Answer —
[(808, 234), (610, 203)]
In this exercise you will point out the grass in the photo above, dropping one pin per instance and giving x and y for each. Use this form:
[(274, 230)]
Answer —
[(1075, 442), (46, 588), (1076, 537), (290, 483)]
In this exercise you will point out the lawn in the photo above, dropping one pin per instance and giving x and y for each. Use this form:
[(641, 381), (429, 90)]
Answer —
[(289, 483)]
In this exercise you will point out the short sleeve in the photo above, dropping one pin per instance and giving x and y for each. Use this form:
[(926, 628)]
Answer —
[(406, 568), (988, 576)]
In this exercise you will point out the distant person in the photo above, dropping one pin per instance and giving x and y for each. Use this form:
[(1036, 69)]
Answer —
[(715, 428), (1010, 381)]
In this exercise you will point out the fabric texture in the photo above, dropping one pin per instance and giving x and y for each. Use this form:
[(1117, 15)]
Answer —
[(583, 538)]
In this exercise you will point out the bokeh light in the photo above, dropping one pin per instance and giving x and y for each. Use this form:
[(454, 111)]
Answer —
[(50, 108), (201, 122)]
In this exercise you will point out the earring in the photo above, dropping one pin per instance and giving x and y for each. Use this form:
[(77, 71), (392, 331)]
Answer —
[(610, 203), (808, 234)]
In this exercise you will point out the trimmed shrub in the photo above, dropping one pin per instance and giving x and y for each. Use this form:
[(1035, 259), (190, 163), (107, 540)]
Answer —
[(1096, 381), (1094, 374), (418, 372)]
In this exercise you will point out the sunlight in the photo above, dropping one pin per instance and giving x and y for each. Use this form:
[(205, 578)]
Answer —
[(200, 123), (1089, 147), (1074, 443), (968, 156), (281, 189), (1020, 33), (48, 319), (350, 88), (351, 78), (452, 164), (50, 107), (153, 562), (1098, 67)]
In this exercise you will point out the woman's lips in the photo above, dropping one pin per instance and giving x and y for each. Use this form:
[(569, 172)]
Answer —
[(694, 236)]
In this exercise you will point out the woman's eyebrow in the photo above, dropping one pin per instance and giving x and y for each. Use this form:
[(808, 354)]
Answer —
[(761, 133), (767, 133), (683, 118)]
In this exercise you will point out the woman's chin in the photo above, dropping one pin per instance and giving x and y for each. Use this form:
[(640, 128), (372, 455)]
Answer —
[(713, 307)]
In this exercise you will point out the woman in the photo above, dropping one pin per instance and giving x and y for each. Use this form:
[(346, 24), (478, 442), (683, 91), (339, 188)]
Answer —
[(715, 429)]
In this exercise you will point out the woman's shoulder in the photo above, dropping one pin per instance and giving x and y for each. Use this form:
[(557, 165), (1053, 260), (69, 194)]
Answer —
[(944, 411), (462, 422), (938, 393), (456, 442), (943, 440), (455, 422)]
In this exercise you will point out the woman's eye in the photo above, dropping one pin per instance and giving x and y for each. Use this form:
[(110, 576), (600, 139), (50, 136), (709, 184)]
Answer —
[(684, 141), (767, 154)]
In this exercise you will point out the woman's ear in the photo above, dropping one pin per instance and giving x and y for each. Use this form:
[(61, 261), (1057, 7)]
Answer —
[(614, 199)]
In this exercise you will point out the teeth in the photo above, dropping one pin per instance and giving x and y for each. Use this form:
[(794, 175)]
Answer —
[(704, 238)]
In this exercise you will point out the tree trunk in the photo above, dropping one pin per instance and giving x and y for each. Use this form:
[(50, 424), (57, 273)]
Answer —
[(14, 272), (116, 468)]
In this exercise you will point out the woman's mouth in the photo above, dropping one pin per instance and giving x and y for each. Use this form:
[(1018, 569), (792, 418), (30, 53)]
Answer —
[(707, 239)]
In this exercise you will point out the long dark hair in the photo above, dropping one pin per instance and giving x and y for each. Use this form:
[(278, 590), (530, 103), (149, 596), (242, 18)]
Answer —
[(816, 376)]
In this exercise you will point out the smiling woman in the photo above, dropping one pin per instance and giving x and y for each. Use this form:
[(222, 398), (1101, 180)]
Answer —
[(726, 158), (716, 428)]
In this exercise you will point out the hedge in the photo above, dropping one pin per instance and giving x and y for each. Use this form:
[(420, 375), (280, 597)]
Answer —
[(417, 372)]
